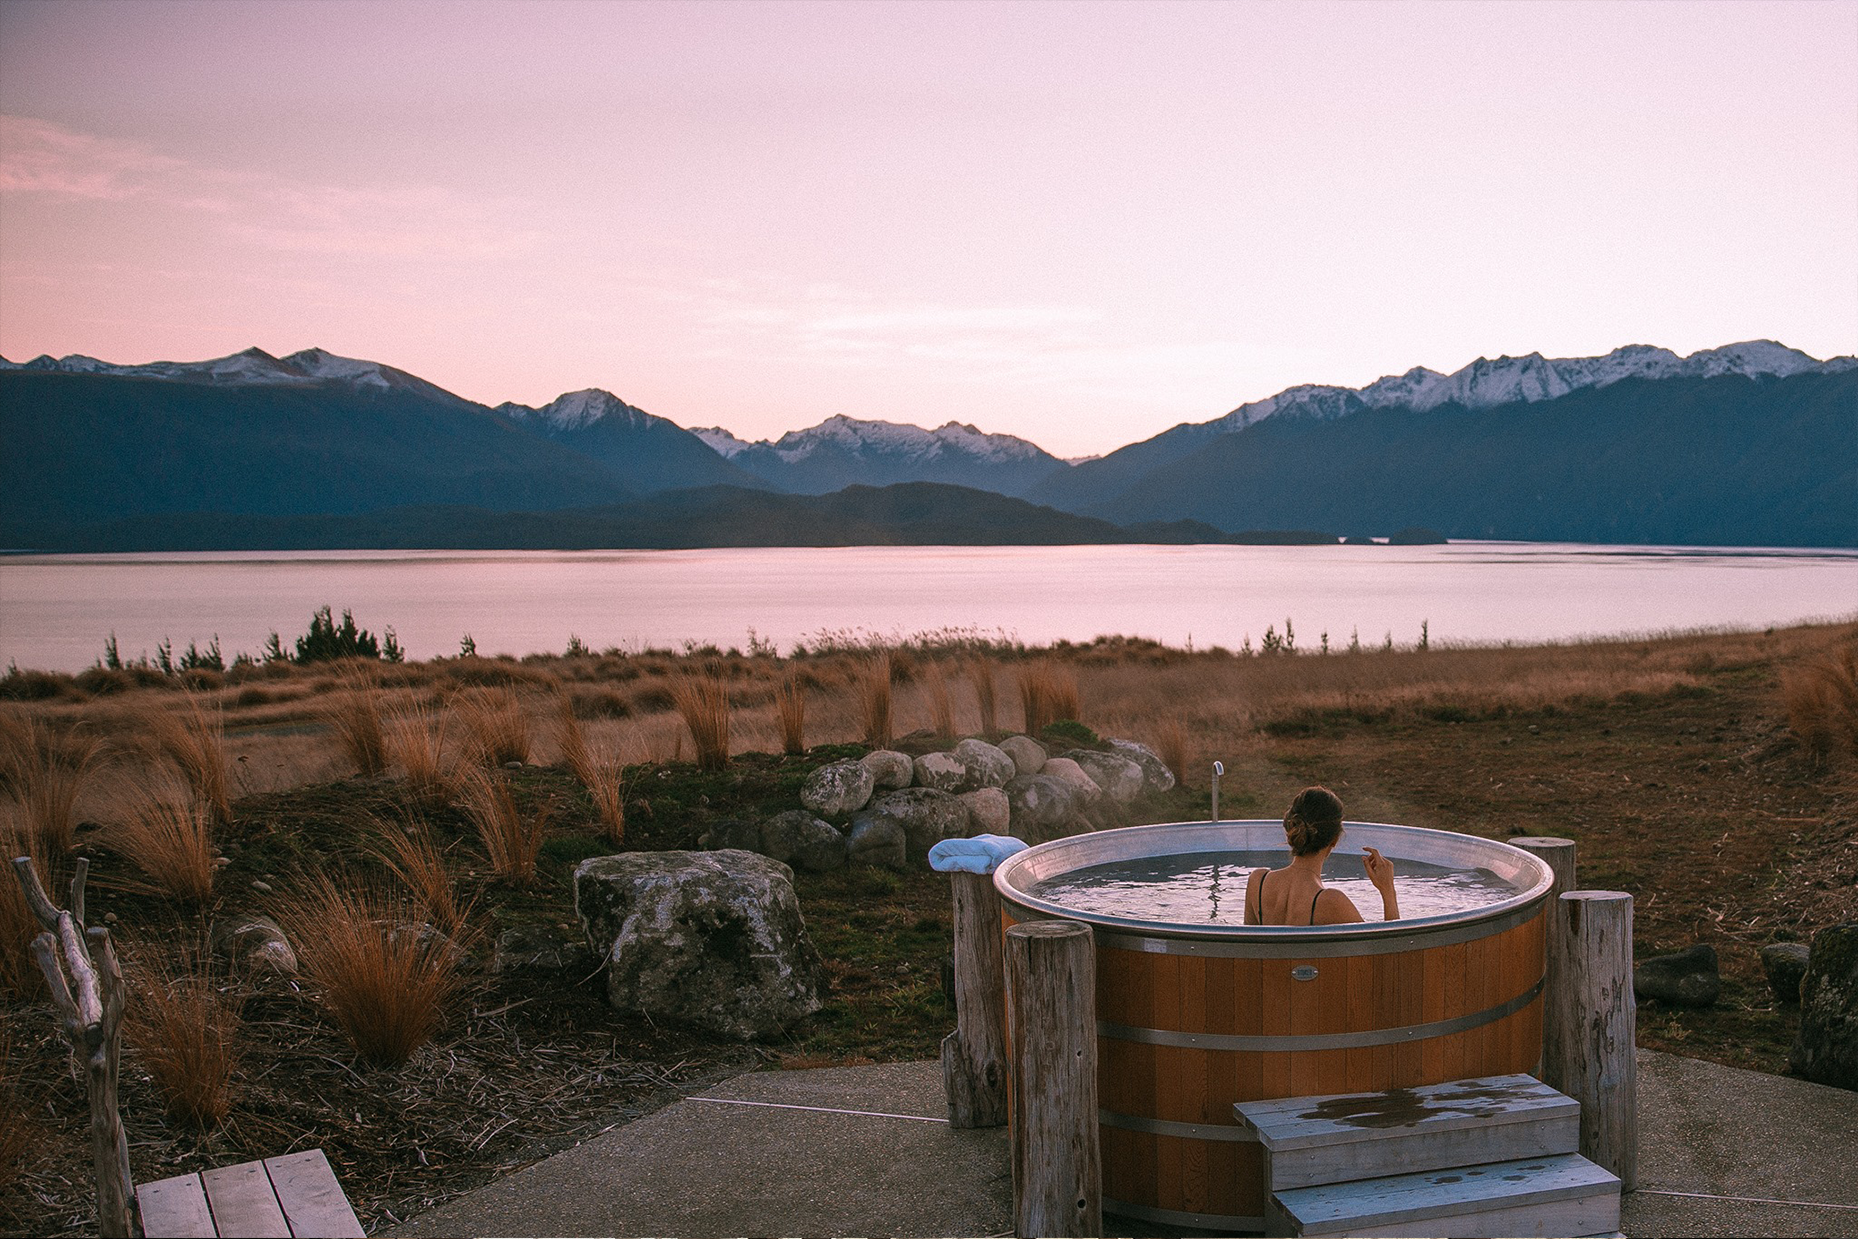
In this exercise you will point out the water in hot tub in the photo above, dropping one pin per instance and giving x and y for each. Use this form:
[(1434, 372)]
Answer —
[(1209, 887)]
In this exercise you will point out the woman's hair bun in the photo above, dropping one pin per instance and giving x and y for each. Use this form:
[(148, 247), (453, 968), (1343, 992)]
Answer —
[(1314, 821)]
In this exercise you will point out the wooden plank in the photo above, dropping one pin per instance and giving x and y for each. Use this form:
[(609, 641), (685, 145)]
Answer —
[(312, 1201), (1377, 1206), (1422, 1151), (1303, 1122), (243, 1202), (175, 1209), (1560, 1217)]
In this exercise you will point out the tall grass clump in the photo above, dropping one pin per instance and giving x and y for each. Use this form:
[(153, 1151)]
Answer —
[(196, 744), (703, 703), (496, 728), (1821, 699), (604, 778), (409, 853), (512, 839), (171, 843), (873, 688), (1047, 693), (941, 703), (185, 1033), (1171, 747), (414, 740), (981, 676), (354, 716), (46, 773), (19, 972), (790, 707), (385, 984)]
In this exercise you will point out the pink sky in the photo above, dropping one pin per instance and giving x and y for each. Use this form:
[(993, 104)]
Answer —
[(1076, 223)]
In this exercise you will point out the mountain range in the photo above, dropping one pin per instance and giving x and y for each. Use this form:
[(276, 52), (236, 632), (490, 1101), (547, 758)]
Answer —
[(1748, 444)]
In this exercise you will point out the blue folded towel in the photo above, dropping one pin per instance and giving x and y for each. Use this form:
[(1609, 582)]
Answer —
[(981, 854)]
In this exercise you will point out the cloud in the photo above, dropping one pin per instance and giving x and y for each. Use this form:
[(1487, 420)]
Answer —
[(259, 209)]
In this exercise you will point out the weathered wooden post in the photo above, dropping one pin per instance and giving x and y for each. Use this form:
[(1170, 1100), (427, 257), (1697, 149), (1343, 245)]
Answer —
[(1558, 854), (1595, 1034), (974, 1055), (89, 996), (1051, 986)]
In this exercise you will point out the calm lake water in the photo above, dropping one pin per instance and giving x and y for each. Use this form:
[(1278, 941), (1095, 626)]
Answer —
[(56, 610)]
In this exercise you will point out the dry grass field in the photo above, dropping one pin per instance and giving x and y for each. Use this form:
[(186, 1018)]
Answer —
[(1713, 775)]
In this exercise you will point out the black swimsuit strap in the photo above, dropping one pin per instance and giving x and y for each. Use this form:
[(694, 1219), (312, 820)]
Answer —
[(1313, 898)]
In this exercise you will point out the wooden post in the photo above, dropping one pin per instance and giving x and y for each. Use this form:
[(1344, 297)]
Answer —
[(1558, 854), (974, 1055), (1595, 1033), (89, 996), (1051, 980)]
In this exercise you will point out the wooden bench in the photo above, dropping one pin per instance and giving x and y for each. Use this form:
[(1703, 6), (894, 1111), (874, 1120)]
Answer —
[(289, 1197)]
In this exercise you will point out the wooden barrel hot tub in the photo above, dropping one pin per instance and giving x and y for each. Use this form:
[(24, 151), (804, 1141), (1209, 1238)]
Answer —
[(1193, 1018)]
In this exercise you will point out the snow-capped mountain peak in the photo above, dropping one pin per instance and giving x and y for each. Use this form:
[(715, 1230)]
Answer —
[(577, 409), (720, 441)]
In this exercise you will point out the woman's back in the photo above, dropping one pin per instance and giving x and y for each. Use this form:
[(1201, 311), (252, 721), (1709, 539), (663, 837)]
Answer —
[(1294, 896)]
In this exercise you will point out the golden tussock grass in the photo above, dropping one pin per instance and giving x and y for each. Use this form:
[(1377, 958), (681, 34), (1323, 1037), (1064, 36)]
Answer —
[(354, 718), (384, 982), (19, 972), (790, 704), (414, 739), (873, 691), (46, 772), (511, 838), (1048, 692), (1170, 744), (703, 703), (941, 703), (1820, 695), (170, 842), (980, 673), (194, 740), (496, 728), (408, 852), (603, 776), (185, 1033)]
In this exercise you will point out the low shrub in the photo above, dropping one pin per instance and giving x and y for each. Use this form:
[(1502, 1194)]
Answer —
[(17, 685), (185, 1032), (385, 983)]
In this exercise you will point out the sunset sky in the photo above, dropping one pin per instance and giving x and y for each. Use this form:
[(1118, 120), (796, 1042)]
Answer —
[(1078, 223)]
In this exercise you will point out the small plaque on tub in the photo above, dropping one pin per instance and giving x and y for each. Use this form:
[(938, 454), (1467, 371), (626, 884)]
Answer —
[(1303, 972), (1154, 946)]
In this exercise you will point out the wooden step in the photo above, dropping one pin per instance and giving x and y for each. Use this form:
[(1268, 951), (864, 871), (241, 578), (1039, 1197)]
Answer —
[(1309, 1141), (1563, 1195)]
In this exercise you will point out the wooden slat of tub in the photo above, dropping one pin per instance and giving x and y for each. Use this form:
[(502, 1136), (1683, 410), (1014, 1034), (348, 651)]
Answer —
[(1436, 996), (1274, 1021), (1484, 982), (1360, 977), (1386, 971), (1305, 1017), (1410, 1004), (1191, 1082), (1451, 966)]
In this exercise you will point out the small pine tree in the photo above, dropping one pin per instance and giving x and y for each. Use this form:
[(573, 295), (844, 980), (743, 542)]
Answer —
[(467, 648), (273, 651), (326, 640), (1354, 640), (1273, 644), (112, 657), (1325, 640), (390, 647), (1425, 637), (164, 656), (1290, 637)]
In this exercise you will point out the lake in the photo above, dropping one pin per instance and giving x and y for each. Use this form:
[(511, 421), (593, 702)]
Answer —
[(56, 610)]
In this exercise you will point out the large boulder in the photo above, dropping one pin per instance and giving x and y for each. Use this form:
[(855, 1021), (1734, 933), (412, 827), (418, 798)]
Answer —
[(1785, 963), (710, 939), (987, 766), (1028, 754), (889, 769), (1156, 777), (1040, 805), (1120, 777), (927, 816), (1073, 776), (255, 942), (876, 840), (1826, 1049), (944, 772), (989, 811), (1688, 978), (838, 788), (798, 838)]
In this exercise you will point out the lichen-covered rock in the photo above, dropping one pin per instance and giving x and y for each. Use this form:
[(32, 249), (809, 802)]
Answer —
[(927, 816), (733, 832), (838, 788), (944, 772), (780, 836), (820, 846), (1120, 777), (1073, 776), (1028, 754), (1785, 963), (1688, 978), (1826, 1048), (255, 942), (876, 840), (1040, 806), (987, 765), (989, 811), (710, 939), (890, 770), (1156, 777)]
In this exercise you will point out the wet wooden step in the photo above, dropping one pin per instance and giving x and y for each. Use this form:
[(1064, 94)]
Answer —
[(1309, 1141), (1562, 1195)]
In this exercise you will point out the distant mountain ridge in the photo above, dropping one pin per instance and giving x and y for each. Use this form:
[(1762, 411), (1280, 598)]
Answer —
[(844, 451)]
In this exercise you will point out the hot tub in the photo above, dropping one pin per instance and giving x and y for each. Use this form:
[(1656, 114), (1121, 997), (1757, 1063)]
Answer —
[(1195, 1014)]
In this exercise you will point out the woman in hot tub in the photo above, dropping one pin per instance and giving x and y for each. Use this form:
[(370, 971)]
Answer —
[(1295, 894)]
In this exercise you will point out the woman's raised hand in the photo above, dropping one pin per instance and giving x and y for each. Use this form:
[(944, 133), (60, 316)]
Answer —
[(1380, 869)]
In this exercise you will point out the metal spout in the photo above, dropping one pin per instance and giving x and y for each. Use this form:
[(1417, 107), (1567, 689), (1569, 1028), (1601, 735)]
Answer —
[(1219, 768)]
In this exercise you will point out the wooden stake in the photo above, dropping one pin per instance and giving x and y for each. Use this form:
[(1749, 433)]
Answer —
[(1558, 854), (1051, 980), (1595, 1035), (89, 998), (974, 1055)]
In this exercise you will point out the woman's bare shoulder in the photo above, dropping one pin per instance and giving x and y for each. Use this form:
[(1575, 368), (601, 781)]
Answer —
[(1334, 907)]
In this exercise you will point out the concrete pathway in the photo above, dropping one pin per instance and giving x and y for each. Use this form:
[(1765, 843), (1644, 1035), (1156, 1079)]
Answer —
[(866, 1151)]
